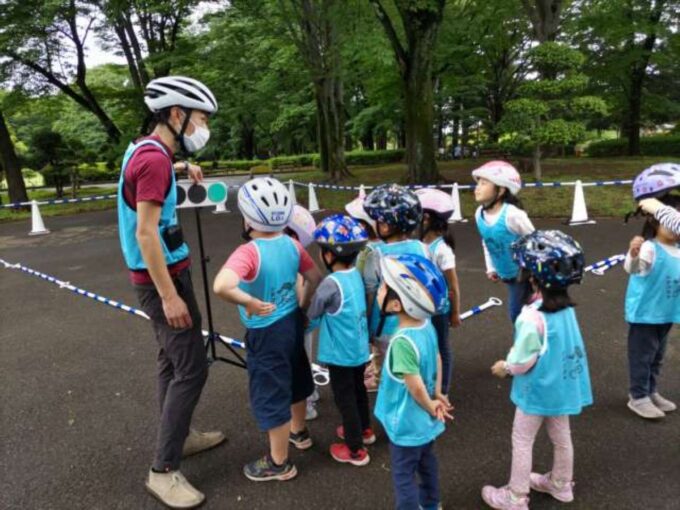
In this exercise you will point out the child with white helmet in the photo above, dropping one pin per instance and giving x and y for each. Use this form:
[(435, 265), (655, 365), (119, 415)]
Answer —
[(260, 277), (437, 209), (397, 213), (339, 304), (301, 227), (501, 221), (410, 404)]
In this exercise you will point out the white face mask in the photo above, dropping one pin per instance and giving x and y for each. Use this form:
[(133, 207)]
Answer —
[(196, 141)]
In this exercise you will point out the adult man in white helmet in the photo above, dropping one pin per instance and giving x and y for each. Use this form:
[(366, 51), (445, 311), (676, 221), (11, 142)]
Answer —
[(158, 260)]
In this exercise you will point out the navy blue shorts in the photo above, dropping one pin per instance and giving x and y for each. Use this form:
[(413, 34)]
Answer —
[(279, 373)]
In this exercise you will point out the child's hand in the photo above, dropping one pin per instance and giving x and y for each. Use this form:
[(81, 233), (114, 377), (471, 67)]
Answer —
[(635, 244), (440, 411), (257, 307), (493, 276), (445, 400), (498, 369), (455, 320), (650, 205)]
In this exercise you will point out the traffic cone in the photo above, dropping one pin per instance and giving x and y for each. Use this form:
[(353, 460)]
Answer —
[(457, 216), (579, 213), (37, 225), (362, 191), (291, 191), (313, 202)]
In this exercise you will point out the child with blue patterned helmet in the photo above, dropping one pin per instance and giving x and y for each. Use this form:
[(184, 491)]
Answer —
[(396, 207), (553, 258), (338, 308), (410, 404)]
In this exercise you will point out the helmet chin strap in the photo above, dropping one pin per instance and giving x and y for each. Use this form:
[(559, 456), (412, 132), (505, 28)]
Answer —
[(179, 137), (496, 199)]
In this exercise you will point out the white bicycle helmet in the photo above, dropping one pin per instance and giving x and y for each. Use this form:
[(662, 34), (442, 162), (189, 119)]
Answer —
[(179, 91), (500, 173), (436, 201), (414, 295), (303, 224), (265, 204), (356, 210)]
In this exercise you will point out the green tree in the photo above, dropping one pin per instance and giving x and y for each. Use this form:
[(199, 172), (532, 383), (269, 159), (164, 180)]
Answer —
[(551, 112), (414, 53)]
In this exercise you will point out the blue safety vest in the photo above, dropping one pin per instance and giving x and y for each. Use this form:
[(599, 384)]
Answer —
[(433, 246), (127, 216), (279, 260), (498, 238), (343, 338), (404, 420), (655, 297), (559, 383)]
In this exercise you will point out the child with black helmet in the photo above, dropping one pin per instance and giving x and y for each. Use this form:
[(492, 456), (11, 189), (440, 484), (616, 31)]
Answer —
[(397, 213), (549, 366)]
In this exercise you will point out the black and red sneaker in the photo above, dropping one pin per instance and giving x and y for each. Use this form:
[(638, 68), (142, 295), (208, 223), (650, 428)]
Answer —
[(342, 453), (367, 436)]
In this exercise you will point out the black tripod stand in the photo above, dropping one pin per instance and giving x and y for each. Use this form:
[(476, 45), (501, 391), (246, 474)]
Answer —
[(213, 337)]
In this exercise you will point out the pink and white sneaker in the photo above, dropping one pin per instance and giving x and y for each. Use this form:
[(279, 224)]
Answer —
[(502, 498), (544, 483)]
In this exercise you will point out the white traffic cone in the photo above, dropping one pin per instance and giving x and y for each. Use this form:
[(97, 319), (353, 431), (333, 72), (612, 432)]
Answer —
[(291, 191), (37, 225), (579, 213), (313, 202), (457, 216), (362, 191)]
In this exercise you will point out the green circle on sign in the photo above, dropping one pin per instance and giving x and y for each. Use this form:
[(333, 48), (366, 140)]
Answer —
[(217, 193)]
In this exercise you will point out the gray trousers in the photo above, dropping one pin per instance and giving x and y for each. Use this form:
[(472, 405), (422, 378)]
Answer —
[(182, 370)]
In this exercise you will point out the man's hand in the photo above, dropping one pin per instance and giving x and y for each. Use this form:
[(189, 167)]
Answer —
[(635, 244), (176, 312), (650, 205), (194, 172), (493, 276), (260, 308), (498, 369)]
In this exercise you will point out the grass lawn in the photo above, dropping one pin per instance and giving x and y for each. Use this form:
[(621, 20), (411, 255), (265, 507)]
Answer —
[(7, 214), (610, 201)]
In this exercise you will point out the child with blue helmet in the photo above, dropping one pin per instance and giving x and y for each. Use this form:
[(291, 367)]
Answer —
[(260, 277), (549, 366), (397, 213), (652, 297), (410, 405), (339, 309)]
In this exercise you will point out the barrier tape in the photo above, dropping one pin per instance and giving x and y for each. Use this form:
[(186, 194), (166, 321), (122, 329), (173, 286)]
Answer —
[(599, 268)]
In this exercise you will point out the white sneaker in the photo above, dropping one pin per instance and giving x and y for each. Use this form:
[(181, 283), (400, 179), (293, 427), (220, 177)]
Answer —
[(173, 490), (663, 403), (311, 412), (197, 442), (645, 408)]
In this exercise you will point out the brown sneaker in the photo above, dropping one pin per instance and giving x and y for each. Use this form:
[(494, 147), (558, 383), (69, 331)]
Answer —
[(173, 490), (197, 442)]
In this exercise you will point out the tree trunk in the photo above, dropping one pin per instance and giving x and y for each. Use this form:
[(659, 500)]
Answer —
[(536, 162), (381, 140), (367, 141), (10, 164), (455, 135)]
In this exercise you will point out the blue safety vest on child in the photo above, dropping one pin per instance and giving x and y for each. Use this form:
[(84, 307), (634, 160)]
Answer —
[(127, 216), (655, 297), (559, 382), (498, 238), (343, 337), (279, 261), (407, 247), (404, 420), (434, 246)]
